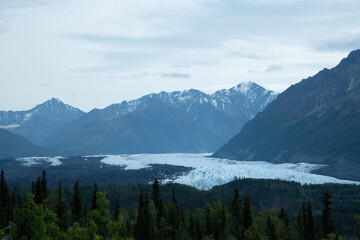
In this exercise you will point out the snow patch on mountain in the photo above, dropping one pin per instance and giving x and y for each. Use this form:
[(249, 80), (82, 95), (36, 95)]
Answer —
[(29, 161), (28, 116), (209, 172), (11, 126), (245, 87)]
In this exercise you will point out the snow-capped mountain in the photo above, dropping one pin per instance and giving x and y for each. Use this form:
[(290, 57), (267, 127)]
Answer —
[(186, 121), (247, 98), (39, 122)]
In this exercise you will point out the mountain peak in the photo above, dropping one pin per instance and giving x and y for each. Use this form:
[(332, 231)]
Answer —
[(352, 58), (355, 53), (244, 87), (55, 104), (51, 102), (55, 100)]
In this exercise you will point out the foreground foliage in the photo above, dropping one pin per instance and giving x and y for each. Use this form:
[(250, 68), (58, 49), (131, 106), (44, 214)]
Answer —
[(47, 215)]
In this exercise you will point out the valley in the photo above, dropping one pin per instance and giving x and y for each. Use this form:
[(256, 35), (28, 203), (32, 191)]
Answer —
[(180, 120), (196, 170)]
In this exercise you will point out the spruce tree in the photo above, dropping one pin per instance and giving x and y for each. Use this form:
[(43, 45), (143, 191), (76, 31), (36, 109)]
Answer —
[(4, 201), (94, 198), (141, 231), (11, 207), (76, 203), (85, 214), (208, 224), (299, 224), (38, 191), (19, 202), (304, 219), (138, 231), (222, 219), (44, 185), (32, 187), (182, 217), (327, 223), (236, 214), (270, 228), (191, 228), (198, 234), (309, 226), (61, 208), (156, 197), (247, 217), (146, 217), (117, 209), (12, 202), (173, 196), (284, 217)]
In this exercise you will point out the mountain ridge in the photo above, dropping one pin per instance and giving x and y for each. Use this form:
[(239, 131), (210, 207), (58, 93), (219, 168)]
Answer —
[(39, 122), (316, 120), (212, 118)]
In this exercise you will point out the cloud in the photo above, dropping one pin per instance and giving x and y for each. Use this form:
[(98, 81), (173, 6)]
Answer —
[(175, 75), (3, 28), (252, 47), (183, 40), (273, 67), (137, 75), (45, 85), (340, 45), (77, 45), (21, 4)]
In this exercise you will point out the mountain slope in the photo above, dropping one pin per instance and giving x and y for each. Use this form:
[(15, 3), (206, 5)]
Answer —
[(316, 120), (152, 127), (12, 146), (187, 121), (41, 121)]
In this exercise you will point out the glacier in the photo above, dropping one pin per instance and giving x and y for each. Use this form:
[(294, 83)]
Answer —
[(30, 161), (207, 172)]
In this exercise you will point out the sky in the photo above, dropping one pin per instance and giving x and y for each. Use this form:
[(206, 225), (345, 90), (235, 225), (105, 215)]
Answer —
[(92, 53)]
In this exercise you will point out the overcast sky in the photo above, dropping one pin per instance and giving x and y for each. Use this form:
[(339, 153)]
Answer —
[(92, 53)]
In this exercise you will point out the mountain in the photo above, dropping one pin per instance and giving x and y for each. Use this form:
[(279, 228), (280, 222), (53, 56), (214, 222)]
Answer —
[(223, 112), (187, 121), (316, 121), (13, 145), (41, 121)]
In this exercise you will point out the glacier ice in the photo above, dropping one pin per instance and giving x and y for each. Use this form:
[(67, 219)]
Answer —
[(29, 161), (208, 172)]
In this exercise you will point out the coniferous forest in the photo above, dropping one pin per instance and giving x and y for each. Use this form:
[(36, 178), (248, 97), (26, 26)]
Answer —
[(179, 212)]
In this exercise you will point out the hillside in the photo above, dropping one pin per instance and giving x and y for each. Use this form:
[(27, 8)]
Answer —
[(13, 145), (316, 121)]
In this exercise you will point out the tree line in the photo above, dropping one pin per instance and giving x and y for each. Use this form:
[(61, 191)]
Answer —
[(48, 216)]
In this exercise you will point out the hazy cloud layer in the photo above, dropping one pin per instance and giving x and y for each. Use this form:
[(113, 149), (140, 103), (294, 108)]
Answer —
[(93, 53), (175, 75)]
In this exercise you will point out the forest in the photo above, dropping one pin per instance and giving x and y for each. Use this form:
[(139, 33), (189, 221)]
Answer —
[(243, 209)]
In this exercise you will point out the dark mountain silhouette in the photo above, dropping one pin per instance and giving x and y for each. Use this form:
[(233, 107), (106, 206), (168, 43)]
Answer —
[(316, 120)]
